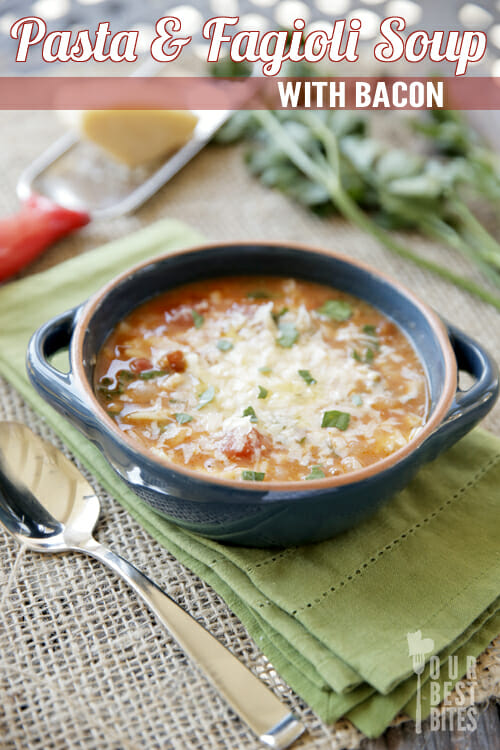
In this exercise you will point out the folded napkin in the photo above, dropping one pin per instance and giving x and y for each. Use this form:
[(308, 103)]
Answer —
[(332, 617)]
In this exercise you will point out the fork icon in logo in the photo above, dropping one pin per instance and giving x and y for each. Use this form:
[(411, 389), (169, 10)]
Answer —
[(418, 648)]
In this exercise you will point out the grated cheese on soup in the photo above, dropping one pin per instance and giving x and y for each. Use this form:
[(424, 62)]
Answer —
[(262, 378)]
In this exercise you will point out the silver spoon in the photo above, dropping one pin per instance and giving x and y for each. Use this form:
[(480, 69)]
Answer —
[(48, 506)]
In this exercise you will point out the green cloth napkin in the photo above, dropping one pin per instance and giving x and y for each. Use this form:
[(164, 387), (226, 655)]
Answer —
[(332, 617)]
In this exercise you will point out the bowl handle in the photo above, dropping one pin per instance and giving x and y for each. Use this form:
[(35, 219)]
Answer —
[(469, 406), (56, 387)]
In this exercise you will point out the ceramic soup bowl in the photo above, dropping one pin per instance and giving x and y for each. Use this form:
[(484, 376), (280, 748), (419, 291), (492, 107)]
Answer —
[(265, 514)]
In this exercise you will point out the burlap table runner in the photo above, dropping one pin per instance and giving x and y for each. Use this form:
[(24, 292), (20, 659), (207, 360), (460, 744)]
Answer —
[(71, 635)]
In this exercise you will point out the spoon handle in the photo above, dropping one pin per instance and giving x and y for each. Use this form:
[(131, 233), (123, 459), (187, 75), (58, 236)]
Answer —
[(247, 695)]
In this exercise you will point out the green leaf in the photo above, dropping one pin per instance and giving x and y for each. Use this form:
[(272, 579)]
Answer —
[(316, 473), (265, 370), (369, 355), (370, 330), (361, 152), (397, 163), (198, 319), (263, 392), (182, 418), (260, 158), (241, 125), (306, 192), (250, 412), (106, 382), (149, 374), (279, 176), (307, 377), (206, 397), (224, 345), (420, 186), (356, 355), (356, 399), (338, 419), (288, 334), (346, 122), (253, 476), (335, 310), (226, 67), (302, 134)]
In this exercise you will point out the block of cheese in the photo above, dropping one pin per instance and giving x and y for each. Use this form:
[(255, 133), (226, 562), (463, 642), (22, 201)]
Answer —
[(138, 136)]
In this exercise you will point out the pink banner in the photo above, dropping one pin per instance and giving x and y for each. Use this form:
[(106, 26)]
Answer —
[(206, 93)]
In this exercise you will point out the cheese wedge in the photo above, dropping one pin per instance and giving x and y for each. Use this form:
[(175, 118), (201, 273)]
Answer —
[(137, 136)]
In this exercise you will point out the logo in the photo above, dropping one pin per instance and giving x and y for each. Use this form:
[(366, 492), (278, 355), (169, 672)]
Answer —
[(441, 679)]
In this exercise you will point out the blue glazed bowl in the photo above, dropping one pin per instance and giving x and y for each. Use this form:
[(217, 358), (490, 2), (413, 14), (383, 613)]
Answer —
[(265, 514)]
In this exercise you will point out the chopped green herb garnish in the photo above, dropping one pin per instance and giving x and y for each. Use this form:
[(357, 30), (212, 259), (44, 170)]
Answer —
[(259, 294), (181, 418), (356, 399), (371, 331), (224, 345), (302, 440), (288, 334), (316, 473), (110, 393), (265, 370), (307, 377), (368, 357), (250, 412), (277, 315), (334, 309), (198, 319), (253, 476), (125, 375), (338, 419), (263, 392), (149, 374), (206, 397), (106, 382)]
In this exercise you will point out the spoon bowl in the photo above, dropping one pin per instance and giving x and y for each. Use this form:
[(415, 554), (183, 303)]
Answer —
[(45, 502)]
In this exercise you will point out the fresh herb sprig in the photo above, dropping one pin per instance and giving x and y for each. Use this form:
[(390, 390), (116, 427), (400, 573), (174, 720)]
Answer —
[(326, 161)]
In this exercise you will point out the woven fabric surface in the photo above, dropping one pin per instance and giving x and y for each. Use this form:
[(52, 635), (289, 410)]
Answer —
[(94, 620)]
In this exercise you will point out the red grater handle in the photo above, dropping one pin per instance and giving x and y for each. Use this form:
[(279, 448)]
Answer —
[(25, 235)]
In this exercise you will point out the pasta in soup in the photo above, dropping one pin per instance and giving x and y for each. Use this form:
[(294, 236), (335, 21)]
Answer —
[(262, 378)]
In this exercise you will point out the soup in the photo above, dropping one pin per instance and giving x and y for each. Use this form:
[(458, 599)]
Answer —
[(262, 378)]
